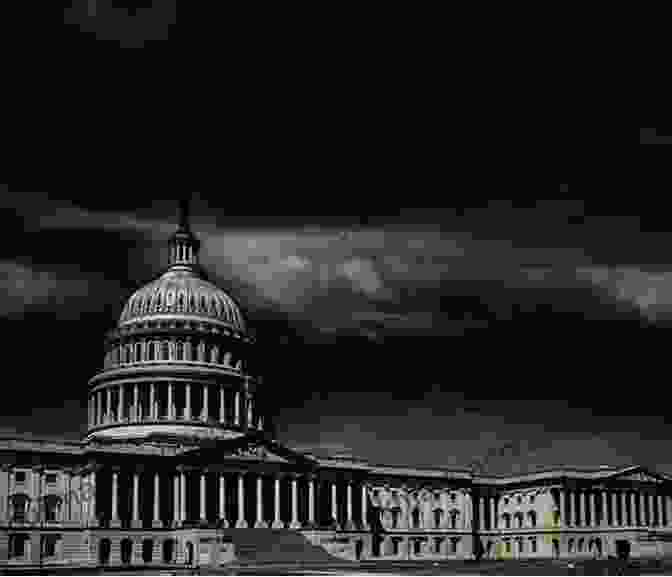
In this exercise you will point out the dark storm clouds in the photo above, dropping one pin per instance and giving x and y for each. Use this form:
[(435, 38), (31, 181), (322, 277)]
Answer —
[(424, 335)]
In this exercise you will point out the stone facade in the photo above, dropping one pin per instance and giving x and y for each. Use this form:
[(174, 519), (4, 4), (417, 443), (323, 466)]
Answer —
[(179, 456)]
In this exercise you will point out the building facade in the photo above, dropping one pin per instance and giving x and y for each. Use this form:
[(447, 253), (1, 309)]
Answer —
[(179, 465)]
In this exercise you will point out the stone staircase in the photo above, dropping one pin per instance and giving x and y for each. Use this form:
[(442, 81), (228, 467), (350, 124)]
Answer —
[(276, 546)]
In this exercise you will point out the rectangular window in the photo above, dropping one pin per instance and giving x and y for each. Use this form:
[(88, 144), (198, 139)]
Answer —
[(50, 478), (533, 545), (17, 545), (20, 476)]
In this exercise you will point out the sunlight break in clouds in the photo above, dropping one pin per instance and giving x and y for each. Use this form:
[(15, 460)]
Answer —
[(650, 292)]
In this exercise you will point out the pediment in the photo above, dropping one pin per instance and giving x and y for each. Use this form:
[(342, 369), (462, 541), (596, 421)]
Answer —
[(639, 474), (248, 448)]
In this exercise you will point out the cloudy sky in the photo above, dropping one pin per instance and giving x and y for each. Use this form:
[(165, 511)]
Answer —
[(530, 332)]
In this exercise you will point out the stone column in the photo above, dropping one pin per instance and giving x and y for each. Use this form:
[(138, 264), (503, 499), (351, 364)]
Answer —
[(481, 514), (236, 408), (187, 401), (659, 501), (171, 408), (334, 504), (183, 497), (241, 523), (563, 514), (108, 415), (176, 500), (605, 510), (222, 501), (365, 522), (136, 493), (650, 517), (624, 510), (99, 407), (277, 523), (221, 405), (642, 508), (614, 509), (156, 520), (593, 510), (136, 403), (120, 406), (204, 412), (115, 509), (349, 523), (311, 501), (152, 408), (260, 523), (93, 520), (295, 505), (493, 513), (668, 505), (202, 496), (572, 508), (579, 520)]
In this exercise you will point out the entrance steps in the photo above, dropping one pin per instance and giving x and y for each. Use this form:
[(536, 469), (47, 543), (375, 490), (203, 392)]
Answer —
[(275, 546)]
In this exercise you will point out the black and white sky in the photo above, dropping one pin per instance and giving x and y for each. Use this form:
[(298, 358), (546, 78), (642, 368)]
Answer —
[(533, 330)]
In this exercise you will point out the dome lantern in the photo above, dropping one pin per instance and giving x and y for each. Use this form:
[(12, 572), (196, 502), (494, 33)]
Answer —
[(184, 246)]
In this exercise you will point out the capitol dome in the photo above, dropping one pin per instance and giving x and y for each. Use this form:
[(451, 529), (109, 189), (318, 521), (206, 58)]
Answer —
[(180, 362), (182, 293)]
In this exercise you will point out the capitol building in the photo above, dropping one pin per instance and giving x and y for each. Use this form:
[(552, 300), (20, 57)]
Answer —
[(179, 465)]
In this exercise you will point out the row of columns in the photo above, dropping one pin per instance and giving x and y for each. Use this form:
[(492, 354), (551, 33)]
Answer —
[(171, 350), (623, 506), (138, 411), (180, 502)]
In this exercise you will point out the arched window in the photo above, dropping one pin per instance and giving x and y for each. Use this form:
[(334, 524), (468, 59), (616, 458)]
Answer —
[(453, 519), (151, 355), (51, 504), (180, 351), (415, 518), (519, 516), (164, 350), (180, 302), (520, 545), (507, 520), (138, 351), (438, 517), (533, 544), (580, 546), (556, 517), (570, 545), (533, 518)]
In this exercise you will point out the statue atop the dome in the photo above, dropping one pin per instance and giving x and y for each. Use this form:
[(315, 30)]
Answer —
[(184, 214)]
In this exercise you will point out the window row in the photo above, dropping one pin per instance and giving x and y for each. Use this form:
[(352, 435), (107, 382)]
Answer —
[(172, 350), (520, 519), (23, 509)]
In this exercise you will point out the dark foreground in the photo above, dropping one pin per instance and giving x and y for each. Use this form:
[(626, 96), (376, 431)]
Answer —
[(508, 567)]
